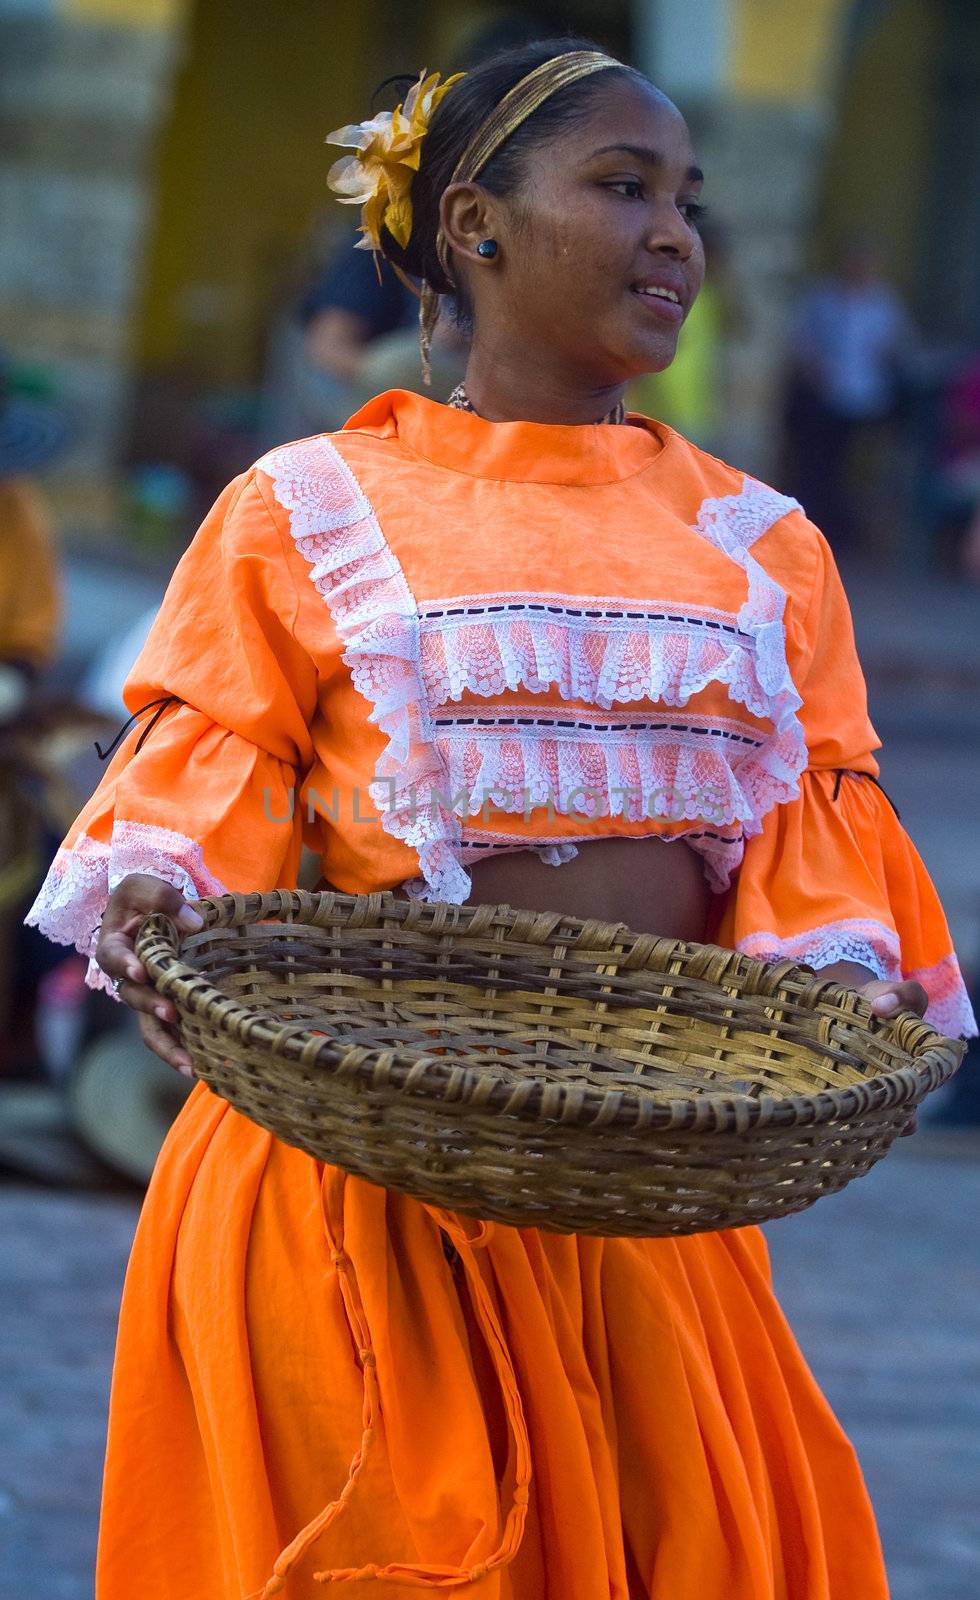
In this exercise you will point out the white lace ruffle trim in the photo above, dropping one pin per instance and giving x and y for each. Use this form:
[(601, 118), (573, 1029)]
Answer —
[(717, 776), (359, 577), (875, 946), (733, 524), (72, 899), (404, 669), (603, 655)]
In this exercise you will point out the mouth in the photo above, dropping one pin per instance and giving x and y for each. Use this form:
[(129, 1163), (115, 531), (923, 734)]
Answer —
[(661, 300)]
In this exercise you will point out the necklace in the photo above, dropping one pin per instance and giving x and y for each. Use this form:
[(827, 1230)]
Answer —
[(460, 401)]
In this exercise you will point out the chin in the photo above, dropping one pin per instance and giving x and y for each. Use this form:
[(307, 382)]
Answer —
[(656, 359), (641, 356)]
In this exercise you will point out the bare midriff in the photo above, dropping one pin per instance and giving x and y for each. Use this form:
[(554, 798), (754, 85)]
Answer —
[(653, 885)]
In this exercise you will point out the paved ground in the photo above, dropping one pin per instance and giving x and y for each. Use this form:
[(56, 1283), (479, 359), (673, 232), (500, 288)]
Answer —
[(919, 644), (882, 1285), (61, 1268)]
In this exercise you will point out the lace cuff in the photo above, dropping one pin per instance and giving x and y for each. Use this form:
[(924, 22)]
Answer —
[(73, 897), (871, 944)]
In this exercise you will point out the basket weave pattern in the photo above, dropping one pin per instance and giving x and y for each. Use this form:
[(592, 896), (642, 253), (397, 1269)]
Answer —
[(536, 1069)]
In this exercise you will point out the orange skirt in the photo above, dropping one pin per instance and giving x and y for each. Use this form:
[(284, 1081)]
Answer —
[(319, 1381)]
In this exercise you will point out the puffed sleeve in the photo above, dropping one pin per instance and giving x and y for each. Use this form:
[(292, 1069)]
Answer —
[(203, 797), (833, 876)]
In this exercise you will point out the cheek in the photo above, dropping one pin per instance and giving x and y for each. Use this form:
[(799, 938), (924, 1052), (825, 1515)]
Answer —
[(571, 255), (556, 250)]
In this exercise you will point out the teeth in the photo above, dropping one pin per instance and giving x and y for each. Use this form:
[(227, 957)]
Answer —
[(662, 294)]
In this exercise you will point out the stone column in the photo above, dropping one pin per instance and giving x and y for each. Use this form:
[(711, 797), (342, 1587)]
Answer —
[(80, 102)]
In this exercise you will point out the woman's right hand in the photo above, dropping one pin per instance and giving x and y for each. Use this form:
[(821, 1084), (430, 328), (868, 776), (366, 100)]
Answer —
[(129, 903)]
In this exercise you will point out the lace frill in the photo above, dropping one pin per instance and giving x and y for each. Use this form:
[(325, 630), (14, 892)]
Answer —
[(602, 654), (406, 663), (722, 776), (949, 1010), (732, 524), (361, 580), (874, 945), (72, 899)]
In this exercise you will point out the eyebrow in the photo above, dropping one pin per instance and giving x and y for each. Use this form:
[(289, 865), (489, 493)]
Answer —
[(652, 157)]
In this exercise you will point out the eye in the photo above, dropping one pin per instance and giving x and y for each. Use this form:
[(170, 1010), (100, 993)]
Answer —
[(630, 188), (692, 211)]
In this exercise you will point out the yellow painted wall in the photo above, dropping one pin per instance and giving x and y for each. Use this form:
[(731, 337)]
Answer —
[(241, 172), (129, 13), (877, 167), (784, 49)]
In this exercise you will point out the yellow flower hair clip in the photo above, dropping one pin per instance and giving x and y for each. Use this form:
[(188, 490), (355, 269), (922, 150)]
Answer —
[(379, 177)]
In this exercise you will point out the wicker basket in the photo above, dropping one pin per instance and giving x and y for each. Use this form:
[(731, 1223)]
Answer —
[(536, 1069)]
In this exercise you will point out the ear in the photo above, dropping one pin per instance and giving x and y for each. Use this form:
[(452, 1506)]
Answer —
[(467, 215)]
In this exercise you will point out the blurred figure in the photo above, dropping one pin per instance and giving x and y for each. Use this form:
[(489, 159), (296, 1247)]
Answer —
[(31, 434), (851, 346), (348, 309), (349, 337), (394, 362), (315, 379), (959, 472), (691, 394)]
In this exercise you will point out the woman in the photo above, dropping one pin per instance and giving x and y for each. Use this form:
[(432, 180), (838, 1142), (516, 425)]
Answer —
[(515, 649)]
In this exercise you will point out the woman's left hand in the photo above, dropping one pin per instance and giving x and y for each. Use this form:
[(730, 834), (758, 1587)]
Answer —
[(888, 997)]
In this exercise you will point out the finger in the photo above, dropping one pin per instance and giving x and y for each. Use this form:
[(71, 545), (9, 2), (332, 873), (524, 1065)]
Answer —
[(158, 1038), (140, 997), (885, 996), (129, 904), (114, 954), (889, 998), (141, 891), (914, 997)]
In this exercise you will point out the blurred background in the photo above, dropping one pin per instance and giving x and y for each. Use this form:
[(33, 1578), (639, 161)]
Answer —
[(178, 293)]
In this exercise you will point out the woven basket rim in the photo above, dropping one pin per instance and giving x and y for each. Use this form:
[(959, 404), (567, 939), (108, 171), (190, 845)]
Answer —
[(410, 1071)]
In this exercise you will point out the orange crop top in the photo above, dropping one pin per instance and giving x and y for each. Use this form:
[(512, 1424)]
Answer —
[(428, 636)]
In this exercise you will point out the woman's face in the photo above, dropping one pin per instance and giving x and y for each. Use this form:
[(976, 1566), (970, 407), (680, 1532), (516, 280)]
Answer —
[(600, 258)]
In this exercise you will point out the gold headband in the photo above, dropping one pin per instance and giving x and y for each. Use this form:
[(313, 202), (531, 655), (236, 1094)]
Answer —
[(516, 106)]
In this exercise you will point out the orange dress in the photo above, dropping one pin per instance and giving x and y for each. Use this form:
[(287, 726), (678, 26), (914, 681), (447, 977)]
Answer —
[(407, 644)]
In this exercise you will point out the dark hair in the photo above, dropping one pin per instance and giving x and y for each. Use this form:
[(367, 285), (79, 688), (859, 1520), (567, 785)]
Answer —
[(454, 123)]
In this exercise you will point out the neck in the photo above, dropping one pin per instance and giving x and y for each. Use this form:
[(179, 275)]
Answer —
[(515, 386)]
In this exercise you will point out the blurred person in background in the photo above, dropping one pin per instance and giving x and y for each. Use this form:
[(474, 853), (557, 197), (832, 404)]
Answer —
[(851, 349), (317, 343), (32, 434), (321, 1380), (361, 334), (957, 486)]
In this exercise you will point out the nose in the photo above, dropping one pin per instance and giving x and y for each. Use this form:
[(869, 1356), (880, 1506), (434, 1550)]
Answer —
[(669, 233)]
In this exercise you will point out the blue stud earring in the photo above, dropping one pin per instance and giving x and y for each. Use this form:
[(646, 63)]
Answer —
[(487, 248)]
